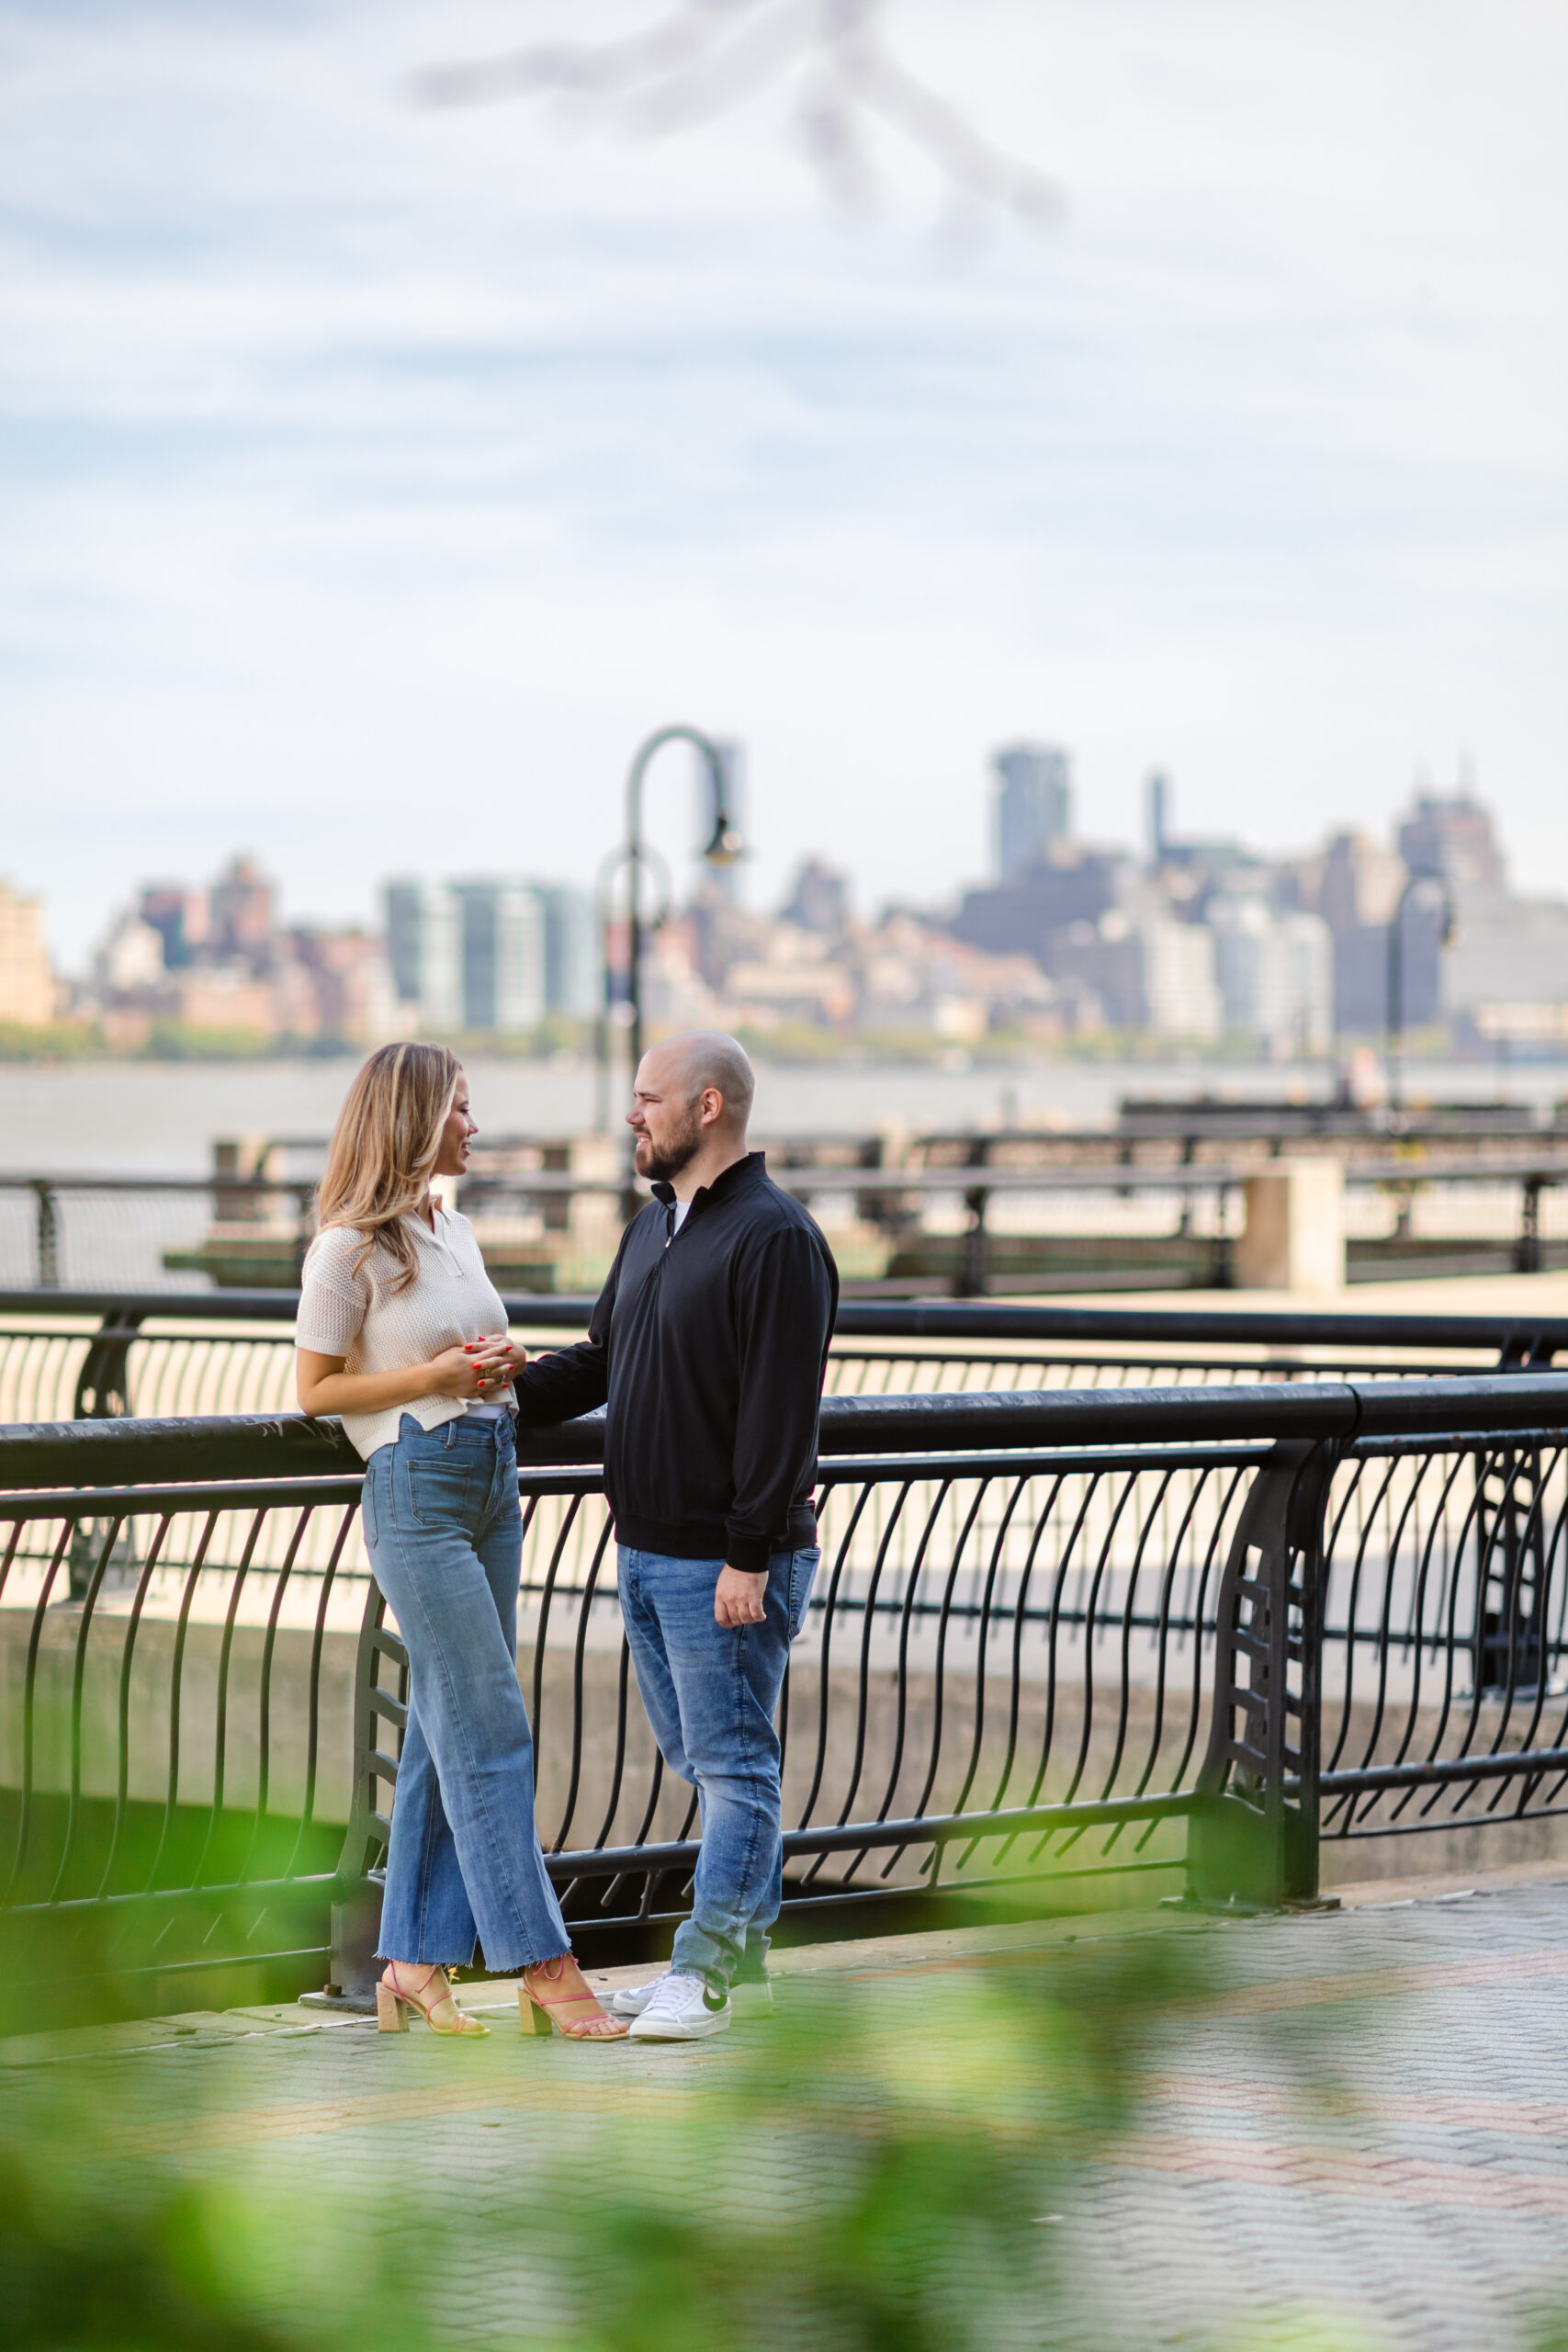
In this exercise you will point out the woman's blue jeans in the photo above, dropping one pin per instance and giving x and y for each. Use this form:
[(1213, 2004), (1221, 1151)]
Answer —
[(445, 1543)]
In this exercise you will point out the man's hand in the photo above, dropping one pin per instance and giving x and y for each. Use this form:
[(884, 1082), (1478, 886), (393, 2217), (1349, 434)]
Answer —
[(738, 1597)]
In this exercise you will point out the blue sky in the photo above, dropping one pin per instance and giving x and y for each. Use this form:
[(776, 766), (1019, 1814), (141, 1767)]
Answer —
[(372, 479)]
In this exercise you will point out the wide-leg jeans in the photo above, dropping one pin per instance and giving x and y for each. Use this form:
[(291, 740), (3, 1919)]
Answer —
[(711, 1692), (445, 1541)]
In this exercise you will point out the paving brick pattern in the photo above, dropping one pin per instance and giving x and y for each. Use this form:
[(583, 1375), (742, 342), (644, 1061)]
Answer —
[(1369, 2129)]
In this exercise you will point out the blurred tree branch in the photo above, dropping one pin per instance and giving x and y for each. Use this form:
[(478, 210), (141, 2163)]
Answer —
[(706, 57)]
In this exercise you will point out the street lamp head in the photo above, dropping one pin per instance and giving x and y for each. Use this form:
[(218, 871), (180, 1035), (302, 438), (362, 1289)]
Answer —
[(726, 848)]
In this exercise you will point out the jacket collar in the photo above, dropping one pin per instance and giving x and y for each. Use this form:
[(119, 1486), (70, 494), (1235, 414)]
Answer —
[(738, 1177)]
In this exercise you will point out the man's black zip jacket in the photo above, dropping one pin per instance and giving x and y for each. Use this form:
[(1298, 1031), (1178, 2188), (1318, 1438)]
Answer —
[(709, 1347)]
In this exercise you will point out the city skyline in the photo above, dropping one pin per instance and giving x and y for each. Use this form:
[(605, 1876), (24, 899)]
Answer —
[(685, 819), (368, 464), (1191, 940)]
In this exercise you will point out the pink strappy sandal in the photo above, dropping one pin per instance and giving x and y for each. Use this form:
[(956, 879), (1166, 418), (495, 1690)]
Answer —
[(392, 1998), (540, 2012)]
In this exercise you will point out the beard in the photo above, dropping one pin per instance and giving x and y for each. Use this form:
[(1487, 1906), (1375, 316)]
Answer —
[(663, 1162)]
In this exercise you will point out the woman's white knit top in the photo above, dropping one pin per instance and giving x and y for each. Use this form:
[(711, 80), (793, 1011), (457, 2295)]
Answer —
[(359, 1318)]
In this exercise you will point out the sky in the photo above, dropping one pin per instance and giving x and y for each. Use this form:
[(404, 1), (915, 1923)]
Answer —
[(374, 478)]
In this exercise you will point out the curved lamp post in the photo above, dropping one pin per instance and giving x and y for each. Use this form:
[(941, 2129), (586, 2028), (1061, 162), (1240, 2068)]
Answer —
[(723, 848), (1413, 889), (609, 867)]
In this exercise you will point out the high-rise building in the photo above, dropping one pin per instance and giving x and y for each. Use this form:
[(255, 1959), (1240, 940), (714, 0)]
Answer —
[(1306, 950), (27, 985), (1016, 918), (1181, 995), (1159, 790), (1195, 855), (819, 901), (1275, 974), (1507, 952), (1357, 883), (1455, 840), (572, 979), (1150, 973), (1032, 805), (179, 917), (424, 949), (503, 955), (241, 912)]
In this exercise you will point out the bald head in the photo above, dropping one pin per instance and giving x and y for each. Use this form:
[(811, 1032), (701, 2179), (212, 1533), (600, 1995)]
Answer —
[(691, 1102), (701, 1059)]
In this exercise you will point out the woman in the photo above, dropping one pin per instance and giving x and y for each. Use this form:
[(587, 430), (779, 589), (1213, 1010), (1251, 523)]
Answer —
[(401, 1331)]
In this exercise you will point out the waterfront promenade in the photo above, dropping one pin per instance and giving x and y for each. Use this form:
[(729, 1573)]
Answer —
[(1359, 2140)]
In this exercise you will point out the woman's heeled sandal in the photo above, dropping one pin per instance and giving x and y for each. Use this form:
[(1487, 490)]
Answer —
[(392, 2000), (538, 2013)]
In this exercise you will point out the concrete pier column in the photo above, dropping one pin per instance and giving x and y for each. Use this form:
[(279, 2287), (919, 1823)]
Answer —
[(1295, 1227)]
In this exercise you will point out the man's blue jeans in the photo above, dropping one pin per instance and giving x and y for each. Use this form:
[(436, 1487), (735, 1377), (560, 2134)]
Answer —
[(446, 1541), (711, 1692)]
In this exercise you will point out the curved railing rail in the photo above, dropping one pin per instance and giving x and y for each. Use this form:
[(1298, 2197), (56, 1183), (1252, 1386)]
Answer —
[(1192, 1633)]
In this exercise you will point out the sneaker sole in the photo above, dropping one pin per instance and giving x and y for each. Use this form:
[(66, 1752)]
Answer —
[(697, 2029), (744, 2000)]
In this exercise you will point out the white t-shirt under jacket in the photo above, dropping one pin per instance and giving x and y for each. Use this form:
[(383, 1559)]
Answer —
[(359, 1318)]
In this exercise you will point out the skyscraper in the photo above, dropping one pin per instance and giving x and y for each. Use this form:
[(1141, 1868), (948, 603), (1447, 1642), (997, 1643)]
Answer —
[(240, 906), (27, 987), (503, 955), (571, 950), (820, 899), (179, 918), (1033, 807), (425, 942), (1159, 817), (1454, 839)]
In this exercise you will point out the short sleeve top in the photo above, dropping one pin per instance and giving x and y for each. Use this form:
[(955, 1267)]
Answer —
[(359, 1316)]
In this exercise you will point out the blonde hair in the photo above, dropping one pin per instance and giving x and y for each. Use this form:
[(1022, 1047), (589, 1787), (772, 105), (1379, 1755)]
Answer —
[(385, 1146)]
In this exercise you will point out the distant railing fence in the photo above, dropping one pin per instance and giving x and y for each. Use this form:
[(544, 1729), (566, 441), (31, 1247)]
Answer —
[(1195, 1633), (77, 1231)]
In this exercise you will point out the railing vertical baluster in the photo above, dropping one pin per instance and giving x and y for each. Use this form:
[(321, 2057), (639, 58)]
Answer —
[(48, 1229), (1256, 1839)]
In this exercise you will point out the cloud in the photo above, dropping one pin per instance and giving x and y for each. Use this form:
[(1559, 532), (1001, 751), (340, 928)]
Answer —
[(373, 480)]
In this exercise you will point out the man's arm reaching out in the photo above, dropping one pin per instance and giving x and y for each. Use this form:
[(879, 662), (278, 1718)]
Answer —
[(570, 1381)]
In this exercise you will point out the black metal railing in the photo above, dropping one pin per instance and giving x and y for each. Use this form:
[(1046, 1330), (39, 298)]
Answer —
[(91, 1354), (1193, 1634)]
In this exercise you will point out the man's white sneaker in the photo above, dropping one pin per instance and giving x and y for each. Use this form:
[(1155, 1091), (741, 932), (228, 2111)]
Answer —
[(747, 1995), (681, 2009)]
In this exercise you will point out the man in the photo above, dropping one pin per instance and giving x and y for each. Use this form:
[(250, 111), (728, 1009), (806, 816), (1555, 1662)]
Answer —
[(708, 1343)]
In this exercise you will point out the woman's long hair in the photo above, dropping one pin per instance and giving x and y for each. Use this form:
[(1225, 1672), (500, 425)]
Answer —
[(385, 1146)]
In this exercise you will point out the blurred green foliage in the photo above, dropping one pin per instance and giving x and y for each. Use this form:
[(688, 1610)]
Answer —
[(58, 1041), (880, 2167)]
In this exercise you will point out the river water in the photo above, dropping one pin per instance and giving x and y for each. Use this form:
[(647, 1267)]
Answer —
[(114, 1117)]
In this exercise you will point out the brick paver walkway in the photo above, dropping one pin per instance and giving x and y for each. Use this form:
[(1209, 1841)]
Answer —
[(1369, 2126)]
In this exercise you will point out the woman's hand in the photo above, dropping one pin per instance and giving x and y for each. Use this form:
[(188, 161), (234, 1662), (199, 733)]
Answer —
[(460, 1372), (475, 1369)]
